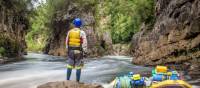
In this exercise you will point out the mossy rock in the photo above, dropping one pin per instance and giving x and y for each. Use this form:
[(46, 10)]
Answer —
[(9, 47)]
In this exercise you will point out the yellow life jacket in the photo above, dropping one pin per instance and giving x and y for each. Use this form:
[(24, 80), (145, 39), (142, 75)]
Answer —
[(74, 37)]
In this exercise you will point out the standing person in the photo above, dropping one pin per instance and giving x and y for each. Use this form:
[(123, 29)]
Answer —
[(76, 44)]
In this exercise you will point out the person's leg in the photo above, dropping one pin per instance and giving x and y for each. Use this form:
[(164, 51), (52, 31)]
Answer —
[(78, 66), (78, 75), (70, 63), (69, 71)]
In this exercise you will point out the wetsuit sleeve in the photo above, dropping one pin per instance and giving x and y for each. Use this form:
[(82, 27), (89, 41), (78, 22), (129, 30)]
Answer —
[(84, 41), (67, 40)]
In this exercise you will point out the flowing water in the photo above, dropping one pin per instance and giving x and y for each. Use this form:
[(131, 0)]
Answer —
[(39, 69)]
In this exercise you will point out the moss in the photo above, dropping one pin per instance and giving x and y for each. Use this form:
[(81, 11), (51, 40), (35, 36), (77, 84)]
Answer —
[(9, 46), (2, 51)]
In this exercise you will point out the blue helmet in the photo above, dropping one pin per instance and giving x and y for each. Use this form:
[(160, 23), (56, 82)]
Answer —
[(77, 22)]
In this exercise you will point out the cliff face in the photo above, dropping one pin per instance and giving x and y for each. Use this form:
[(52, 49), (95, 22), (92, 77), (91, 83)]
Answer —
[(13, 26), (62, 24), (175, 38)]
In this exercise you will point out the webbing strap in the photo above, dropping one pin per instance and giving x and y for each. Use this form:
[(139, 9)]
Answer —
[(72, 67)]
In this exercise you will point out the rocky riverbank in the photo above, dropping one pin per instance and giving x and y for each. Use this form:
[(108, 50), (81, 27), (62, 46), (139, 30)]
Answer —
[(174, 39)]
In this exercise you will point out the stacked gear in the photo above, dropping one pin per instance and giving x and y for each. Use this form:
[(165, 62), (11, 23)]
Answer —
[(174, 76), (161, 73), (130, 81), (137, 81), (161, 78)]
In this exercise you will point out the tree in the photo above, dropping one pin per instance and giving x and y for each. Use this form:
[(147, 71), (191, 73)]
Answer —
[(127, 17)]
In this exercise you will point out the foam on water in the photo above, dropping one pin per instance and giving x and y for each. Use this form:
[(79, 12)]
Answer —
[(39, 69)]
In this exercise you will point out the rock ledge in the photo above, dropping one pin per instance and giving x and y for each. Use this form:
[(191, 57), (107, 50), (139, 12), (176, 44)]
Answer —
[(68, 84)]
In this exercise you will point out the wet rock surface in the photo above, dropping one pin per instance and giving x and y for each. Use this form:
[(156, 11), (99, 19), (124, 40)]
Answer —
[(174, 38), (121, 49), (68, 84)]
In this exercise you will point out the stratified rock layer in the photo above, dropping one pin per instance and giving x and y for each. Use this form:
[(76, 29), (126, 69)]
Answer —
[(68, 84), (175, 38)]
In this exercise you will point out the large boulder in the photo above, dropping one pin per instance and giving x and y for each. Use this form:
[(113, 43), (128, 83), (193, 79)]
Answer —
[(68, 84), (175, 38)]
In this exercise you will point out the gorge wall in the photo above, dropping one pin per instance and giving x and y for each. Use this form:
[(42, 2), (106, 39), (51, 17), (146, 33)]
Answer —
[(175, 38), (62, 24), (13, 26)]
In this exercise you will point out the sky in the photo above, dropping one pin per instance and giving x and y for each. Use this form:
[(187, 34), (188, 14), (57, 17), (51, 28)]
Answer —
[(38, 2)]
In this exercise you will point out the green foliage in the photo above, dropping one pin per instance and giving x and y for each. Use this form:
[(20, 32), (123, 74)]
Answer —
[(38, 31), (2, 51), (127, 17), (40, 23), (124, 17)]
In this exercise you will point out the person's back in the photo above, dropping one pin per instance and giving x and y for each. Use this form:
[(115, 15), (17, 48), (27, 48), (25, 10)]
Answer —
[(76, 43)]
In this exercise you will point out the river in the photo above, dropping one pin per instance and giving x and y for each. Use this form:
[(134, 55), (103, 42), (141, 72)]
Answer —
[(38, 69)]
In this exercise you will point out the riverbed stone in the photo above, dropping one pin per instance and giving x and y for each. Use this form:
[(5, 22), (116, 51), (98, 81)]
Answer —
[(68, 84)]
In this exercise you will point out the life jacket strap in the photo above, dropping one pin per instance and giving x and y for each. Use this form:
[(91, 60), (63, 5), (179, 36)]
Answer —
[(74, 48)]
